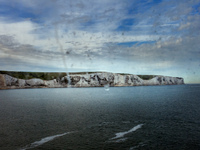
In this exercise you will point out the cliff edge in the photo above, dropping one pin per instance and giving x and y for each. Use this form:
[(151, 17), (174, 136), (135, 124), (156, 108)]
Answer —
[(98, 79)]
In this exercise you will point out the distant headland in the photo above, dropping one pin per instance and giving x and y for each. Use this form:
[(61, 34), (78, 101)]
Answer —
[(20, 80)]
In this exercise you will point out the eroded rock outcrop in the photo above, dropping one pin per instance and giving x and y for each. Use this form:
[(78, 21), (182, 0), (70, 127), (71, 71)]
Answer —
[(87, 80), (2, 81)]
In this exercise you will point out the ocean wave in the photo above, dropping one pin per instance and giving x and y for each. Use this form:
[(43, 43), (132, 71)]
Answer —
[(121, 140), (121, 134), (43, 140), (141, 144)]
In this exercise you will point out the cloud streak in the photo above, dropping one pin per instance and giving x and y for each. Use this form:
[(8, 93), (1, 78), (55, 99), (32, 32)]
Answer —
[(110, 35)]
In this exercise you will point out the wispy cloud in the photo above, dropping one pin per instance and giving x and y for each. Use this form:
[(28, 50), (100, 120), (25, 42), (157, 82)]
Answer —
[(145, 37)]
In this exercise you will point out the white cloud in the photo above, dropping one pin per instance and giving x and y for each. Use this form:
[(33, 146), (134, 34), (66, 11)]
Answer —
[(85, 34), (20, 30)]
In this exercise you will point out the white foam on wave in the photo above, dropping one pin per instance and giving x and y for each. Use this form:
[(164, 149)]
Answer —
[(141, 144), (121, 140), (121, 134), (43, 140)]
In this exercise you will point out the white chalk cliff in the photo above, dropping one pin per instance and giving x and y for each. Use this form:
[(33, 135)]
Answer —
[(87, 80)]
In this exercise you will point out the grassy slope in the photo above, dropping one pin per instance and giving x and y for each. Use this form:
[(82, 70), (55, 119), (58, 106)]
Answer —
[(30, 75), (146, 77), (55, 75)]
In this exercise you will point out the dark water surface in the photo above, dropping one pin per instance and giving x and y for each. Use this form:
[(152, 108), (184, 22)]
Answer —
[(145, 117)]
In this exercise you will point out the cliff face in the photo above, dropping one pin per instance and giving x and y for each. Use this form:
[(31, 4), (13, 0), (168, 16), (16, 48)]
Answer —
[(87, 80)]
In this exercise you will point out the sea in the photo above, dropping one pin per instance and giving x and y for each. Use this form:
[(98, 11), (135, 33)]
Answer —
[(101, 118)]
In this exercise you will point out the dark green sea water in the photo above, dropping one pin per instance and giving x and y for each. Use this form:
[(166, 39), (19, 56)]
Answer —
[(145, 117)]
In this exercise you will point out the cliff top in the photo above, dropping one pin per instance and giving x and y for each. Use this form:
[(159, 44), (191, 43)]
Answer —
[(56, 75)]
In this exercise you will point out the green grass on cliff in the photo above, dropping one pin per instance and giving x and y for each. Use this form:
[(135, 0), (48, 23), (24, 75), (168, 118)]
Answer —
[(41, 75), (146, 77), (56, 75), (30, 75)]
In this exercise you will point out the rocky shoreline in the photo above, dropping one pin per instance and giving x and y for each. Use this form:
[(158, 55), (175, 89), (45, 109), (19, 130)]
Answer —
[(98, 79)]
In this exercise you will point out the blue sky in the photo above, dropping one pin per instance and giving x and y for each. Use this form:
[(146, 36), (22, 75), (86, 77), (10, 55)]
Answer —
[(139, 37)]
